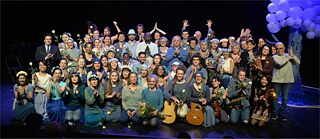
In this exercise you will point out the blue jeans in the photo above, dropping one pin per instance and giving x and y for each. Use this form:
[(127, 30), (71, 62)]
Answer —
[(235, 114), (284, 88), (225, 79)]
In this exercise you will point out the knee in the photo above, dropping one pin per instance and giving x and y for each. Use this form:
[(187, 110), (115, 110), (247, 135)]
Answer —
[(154, 122)]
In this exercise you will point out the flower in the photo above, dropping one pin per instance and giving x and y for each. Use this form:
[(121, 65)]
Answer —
[(91, 26), (183, 90), (30, 63), (53, 31), (78, 35), (117, 50)]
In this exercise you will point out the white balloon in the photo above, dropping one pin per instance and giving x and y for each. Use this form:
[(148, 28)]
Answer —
[(271, 17), (272, 7), (297, 21), (283, 23), (310, 35), (273, 27), (316, 19), (295, 12), (290, 21), (306, 22), (280, 15), (308, 13), (311, 27), (284, 5)]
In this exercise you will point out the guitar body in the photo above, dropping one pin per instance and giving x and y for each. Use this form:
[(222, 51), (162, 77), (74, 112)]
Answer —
[(195, 115), (169, 112), (217, 109)]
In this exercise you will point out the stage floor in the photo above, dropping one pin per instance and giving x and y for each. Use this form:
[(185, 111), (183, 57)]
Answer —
[(302, 123)]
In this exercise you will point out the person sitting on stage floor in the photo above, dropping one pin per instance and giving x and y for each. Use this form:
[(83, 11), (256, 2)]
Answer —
[(94, 95), (200, 93), (263, 98), (131, 94), (112, 97), (154, 97), (55, 88), (74, 99), (239, 91), (177, 90), (23, 92), (217, 95)]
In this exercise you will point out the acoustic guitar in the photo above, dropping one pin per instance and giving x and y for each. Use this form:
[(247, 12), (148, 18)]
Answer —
[(195, 115), (169, 112)]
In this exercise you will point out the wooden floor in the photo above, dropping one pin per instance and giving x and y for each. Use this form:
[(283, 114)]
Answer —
[(302, 123)]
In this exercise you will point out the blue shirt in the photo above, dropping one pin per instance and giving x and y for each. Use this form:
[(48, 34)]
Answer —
[(171, 57), (154, 98)]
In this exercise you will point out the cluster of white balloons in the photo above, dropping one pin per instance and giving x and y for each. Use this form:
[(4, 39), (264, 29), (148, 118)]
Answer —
[(303, 14)]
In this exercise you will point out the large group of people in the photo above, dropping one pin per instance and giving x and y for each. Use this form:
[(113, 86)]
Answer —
[(105, 78)]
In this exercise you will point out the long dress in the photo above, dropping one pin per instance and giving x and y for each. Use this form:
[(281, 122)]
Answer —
[(22, 110), (262, 109), (93, 112), (55, 105), (112, 108)]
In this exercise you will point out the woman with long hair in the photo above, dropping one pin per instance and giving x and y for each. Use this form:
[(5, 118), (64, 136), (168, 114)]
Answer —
[(160, 71), (23, 92), (263, 98), (131, 94), (55, 88), (81, 69), (125, 75), (74, 99), (112, 97)]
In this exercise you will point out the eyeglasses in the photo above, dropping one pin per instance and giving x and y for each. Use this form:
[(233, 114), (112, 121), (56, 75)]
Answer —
[(280, 48)]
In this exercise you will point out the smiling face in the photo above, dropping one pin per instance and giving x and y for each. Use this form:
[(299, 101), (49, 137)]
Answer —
[(152, 83), (114, 77), (241, 75), (280, 49), (42, 67), (133, 78), (47, 40), (198, 78), (57, 74), (104, 61), (180, 74), (215, 83), (265, 50), (22, 79), (81, 62), (264, 81), (74, 79), (94, 82)]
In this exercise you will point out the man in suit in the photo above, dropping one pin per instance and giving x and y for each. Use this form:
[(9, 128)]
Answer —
[(48, 52)]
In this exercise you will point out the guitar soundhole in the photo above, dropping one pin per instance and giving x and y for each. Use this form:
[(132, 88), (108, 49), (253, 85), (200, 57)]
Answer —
[(197, 107)]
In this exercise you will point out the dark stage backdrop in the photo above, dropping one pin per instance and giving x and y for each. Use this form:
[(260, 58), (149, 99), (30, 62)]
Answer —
[(24, 23)]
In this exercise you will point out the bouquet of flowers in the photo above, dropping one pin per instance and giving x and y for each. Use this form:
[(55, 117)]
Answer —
[(145, 110)]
